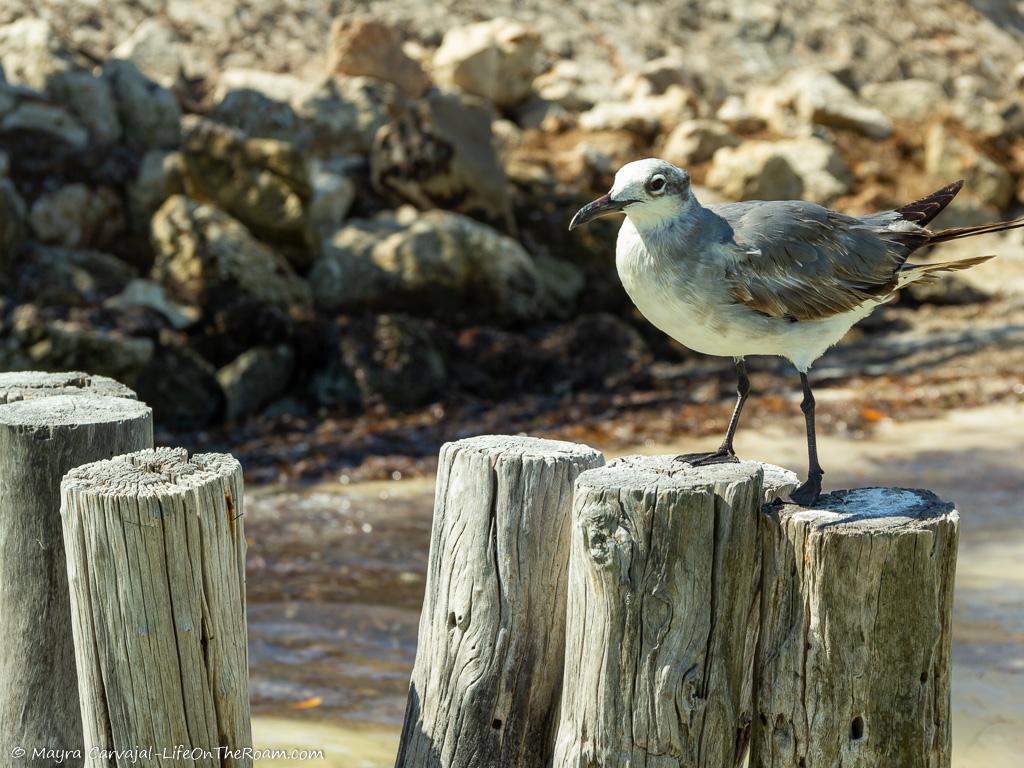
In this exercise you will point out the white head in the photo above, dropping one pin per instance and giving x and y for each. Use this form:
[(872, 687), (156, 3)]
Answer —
[(650, 192)]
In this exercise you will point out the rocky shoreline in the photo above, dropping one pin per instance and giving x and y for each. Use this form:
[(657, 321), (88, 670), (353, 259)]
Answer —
[(371, 218)]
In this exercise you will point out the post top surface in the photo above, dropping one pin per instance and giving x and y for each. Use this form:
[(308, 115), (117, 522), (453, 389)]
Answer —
[(71, 410), (150, 472), (872, 509), (26, 385), (523, 445), (664, 472)]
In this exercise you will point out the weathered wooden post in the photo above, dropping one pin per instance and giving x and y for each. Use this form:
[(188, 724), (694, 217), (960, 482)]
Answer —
[(489, 661), (44, 432), (663, 577), (853, 663), (156, 566)]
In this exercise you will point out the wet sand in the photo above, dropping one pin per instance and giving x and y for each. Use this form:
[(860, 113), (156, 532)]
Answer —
[(335, 584)]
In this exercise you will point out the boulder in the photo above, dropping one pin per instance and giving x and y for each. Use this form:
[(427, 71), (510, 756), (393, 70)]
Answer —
[(161, 174), (154, 48), (91, 100), (566, 84), (642, 115), (35, 116), (597, 351), (274, 85), (264, 183), (364, 46), (206, 258), (145, 293), (259, 116), (435, 263), (345, 113), (496, 60), (61, 277), (737, 114), (807, 168), (255, 378), (76, 216), (149, 113), (63, 345), (441, 154), (695, 141), (912, 100), (12, 229), (182, 389), (948, 158), (333, 192), (30, 53)]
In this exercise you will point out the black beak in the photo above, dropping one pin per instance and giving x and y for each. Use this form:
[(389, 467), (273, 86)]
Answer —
[(600, 207)]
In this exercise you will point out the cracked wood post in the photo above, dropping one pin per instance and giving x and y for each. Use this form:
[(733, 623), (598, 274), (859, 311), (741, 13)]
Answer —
[(156, 564), (663, 581), (488, 665), (853, 664), (44, 432)]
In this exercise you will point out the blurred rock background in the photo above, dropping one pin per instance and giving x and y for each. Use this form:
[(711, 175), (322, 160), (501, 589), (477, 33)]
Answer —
[(293, 209)]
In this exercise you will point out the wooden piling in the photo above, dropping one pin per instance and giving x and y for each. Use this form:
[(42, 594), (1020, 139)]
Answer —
[(663, 576), (489, 661), (853, 663), (156, 566), (44, 432)]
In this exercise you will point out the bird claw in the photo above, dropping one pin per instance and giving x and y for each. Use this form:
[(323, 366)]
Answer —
[(808, 493), (707, 459)]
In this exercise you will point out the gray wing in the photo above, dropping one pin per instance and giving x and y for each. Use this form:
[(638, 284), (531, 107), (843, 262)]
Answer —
[(801, 261)]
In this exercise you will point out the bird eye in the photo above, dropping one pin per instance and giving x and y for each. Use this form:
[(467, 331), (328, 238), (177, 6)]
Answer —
[(656, 184)]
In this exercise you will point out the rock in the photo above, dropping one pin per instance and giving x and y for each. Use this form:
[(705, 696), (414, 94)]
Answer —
[(149, 113), (435, 263), (643, 116), (154, 48), (496, 364), (77, 217), (206, 258), (695, 141), (46, 118), (598, 351), (12, 229), (812, 96), (145, 293), (561, 283), (91, 100), (161, 174), (264, 183), (182, 389), (30, 53), (565, 84), (52, 276), (345, 113), (912, 100), (273, 85), (659, 76), (948, 158), (255, 378), (735, 113), (260, 116), (495, 60), (334, 191), (70, 346), (394, 361), (791, 169), (441, 154), (363, 46)]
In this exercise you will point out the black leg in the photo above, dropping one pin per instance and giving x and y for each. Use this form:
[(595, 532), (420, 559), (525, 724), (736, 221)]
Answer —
[(725, 453), (809, 492)]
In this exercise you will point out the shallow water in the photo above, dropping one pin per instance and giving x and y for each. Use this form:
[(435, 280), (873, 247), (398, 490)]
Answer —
[(336, 578)]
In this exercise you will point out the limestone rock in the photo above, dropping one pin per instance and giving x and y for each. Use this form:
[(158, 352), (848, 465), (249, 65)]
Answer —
[(71, 346), (913, 100), (695, 141), (75, 216), (46, 118), (948, 158), (12, 229), (363, 46), (345, 113), (496, 60), (161, 174), (436, 263), (91, 100), (259, 116), (274, 85), (62, 277), (206, 258), (145, 293), (808, 168), (255, 378), (333, 192), (441, 154), (182, 389), (149, 113), (154, 48), (30, 53)]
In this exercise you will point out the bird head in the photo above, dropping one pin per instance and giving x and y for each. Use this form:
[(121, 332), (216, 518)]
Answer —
[(647, 191)]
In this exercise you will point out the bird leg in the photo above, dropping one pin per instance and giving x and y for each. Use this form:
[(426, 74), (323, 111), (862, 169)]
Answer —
[(725, 453), (809, 492)]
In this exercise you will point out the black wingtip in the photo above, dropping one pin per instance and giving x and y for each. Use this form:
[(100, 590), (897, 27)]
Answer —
[(922, 211)]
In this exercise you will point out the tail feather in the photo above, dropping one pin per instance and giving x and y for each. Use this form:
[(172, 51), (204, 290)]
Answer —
[(912, 273), (944, 235), (927, 208)]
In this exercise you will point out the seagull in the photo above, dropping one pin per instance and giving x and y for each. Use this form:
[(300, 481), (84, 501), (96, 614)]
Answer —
[(786, 278)]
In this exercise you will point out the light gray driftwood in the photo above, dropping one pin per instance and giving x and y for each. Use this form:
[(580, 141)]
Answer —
[(28, 385), (156, 565), (853, 660), (488, 666), (663, 577), (41, 438)]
